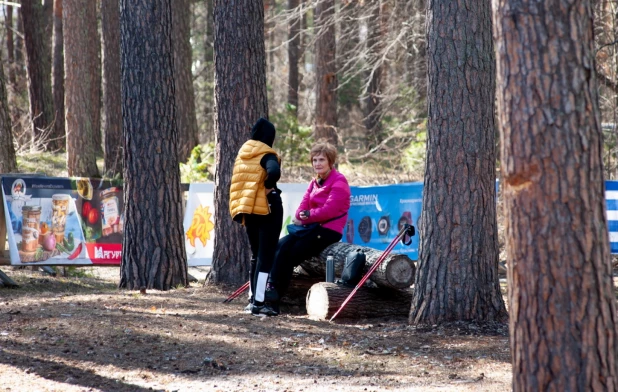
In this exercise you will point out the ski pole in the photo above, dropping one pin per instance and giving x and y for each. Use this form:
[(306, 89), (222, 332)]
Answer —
[(405, 230), (238, 292)]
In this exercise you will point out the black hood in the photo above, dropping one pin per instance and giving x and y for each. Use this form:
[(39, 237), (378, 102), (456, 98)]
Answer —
[(263, 131)]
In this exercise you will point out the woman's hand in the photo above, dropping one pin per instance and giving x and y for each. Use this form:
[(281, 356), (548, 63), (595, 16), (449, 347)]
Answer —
[(304, 214), (297, 222)]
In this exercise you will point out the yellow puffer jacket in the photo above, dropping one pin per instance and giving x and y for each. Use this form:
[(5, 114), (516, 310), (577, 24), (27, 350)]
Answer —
[(247, 192)]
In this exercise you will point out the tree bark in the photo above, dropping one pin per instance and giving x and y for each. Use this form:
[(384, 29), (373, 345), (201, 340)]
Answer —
[(457, 273), (96, 80), (373, 77), (110, 27), (8, 162), (79, 20), (10, 45), (209, 60), (240, 100), (326, 73), (324, 299), (396, 271), (293, 54), (38, 64), (58, 137), (154, 255), (183, 77), (563, 317)]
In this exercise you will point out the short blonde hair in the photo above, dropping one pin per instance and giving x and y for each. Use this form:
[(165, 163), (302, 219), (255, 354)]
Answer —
[(326, 149)]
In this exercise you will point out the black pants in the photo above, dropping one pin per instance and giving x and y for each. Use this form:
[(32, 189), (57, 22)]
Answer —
[(263, 232), (292, 251)]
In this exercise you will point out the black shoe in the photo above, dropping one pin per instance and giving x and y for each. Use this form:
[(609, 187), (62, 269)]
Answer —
[(271, 294), (265, 309)]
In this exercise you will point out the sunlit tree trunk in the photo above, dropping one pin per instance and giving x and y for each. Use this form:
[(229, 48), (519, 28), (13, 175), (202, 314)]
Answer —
[(38, 64), (183, 78), (154, 255), (240, 96), (112, 131), (293, 54), (457, 271), (79, 21), (58, 140), (8, 162), (326, 73), (561, 296)]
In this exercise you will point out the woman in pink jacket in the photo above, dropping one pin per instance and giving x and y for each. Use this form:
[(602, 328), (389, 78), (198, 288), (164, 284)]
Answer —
[(326, 201)]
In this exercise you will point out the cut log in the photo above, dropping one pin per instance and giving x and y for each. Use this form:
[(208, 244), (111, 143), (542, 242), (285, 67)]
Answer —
[(396, 271), (296, 294), (324, 299)]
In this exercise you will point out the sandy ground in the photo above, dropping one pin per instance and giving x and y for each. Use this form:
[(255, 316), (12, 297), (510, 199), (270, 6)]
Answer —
[(82, 334)]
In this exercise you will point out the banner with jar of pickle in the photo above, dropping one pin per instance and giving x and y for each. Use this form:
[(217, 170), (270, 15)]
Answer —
[(63, 221)]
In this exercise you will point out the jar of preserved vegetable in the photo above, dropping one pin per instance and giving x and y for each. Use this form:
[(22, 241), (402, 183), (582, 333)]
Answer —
[(110, 211)]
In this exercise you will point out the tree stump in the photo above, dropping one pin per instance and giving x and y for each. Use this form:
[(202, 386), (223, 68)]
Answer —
[(324, 299), (396, 271)]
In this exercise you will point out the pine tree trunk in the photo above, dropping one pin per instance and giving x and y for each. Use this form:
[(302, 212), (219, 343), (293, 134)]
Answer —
[(326, 73), (110, 27), (38, 64), (8, 162), (293, 54), (79, 20), (457, 272), (373, 95), (183, 77), (209, 60), (96, 79), (10, 45), (563, 317), (241, 99), (58, 137), (154, 255)]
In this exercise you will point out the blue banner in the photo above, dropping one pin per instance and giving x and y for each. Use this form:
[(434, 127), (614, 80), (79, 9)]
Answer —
[(378, 212)]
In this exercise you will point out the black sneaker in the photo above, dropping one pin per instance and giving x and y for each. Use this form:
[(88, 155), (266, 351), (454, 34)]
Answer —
[(265, 310), (271, 294)]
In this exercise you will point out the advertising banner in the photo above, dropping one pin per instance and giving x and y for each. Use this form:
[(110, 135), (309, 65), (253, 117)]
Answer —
[(199, 222), (377, 214), (63, 221)]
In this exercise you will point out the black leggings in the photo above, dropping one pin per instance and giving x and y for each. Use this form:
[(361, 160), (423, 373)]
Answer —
[(292, 251), (263, 232)]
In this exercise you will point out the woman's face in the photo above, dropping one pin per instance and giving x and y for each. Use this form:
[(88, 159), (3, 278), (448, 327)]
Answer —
[(320, 164)]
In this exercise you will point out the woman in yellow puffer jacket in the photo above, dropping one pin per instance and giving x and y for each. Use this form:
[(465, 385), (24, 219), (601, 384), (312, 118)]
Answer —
[(255, 202)]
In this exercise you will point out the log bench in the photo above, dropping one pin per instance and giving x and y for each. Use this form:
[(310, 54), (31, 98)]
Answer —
[(390, 295)]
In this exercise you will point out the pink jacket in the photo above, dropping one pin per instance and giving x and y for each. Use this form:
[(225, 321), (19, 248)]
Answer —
[(327, 201)]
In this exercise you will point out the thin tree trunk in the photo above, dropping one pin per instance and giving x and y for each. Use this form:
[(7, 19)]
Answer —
[(185, 97), (293, 54), (326, 73), (561, 295), (457, 272), (241, 99), (10, 45), (8, 162), (373, 93), (209, 60), (110, 27), (154, 255), (79, 16), (58, 139), (39, 73)]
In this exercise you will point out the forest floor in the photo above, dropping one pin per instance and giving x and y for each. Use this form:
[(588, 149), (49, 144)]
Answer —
[(81, 333)]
